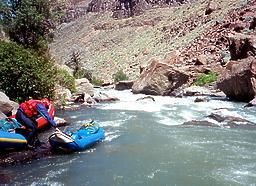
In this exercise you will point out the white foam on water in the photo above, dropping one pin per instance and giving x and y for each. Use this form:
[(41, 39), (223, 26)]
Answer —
[(54, 173), (87, 151), (73, 117), (238, 174), (109, 136), (152, 174), (52, 183), (49, 175), (116, 123)]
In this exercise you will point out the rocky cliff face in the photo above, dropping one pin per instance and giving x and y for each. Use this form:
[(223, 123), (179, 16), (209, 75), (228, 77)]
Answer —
[(128, 8)]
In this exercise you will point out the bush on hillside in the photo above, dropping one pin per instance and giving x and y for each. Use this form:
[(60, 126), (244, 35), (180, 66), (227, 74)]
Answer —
[(203, 79), (97, 82), (83, 73), (24, 74), (120, 76), (66, 80)]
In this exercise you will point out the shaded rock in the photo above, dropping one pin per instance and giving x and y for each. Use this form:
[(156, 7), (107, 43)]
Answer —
[(100, 5), (252, 103), (5, 177), (200, 123), (159, 79), (239, 83), (12, 158), (146, 98), (200, 100), (211, 6), (230, 119), (124, 85), (6, 108), (241, 46), (253, 24), (128, 8), (223, 118), (84, 86)]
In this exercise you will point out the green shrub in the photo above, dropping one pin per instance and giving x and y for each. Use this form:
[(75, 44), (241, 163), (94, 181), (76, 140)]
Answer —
[(119, 76), (97, 82), (66, 80), (203, 79), (24, 74), (83, 73)]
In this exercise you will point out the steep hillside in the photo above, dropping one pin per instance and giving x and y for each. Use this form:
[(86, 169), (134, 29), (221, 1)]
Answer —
[(106, 44)]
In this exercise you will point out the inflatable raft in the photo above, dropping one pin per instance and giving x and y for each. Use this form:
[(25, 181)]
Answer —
[(8, 138), (88, 135)]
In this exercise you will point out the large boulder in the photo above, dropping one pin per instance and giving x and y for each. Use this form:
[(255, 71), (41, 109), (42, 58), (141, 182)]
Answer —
[(7, 106), (159, 79), (124, 85), (84, 86), (239, 81)]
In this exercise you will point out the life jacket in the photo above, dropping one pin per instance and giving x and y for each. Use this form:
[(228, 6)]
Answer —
[(29, 107)]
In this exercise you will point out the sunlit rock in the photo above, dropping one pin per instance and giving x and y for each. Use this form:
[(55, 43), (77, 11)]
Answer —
[(159, 79)]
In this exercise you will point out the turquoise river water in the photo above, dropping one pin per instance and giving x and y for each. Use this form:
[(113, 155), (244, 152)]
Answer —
[(145, 144)]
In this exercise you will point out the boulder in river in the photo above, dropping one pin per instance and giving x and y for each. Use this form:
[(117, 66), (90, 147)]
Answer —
[(84, 86), (239, 82), (223, 118), (159, 79), (124, 85)]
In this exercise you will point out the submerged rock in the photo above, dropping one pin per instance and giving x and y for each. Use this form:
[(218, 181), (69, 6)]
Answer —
[(12, 158), (146, 98), (223, 118)]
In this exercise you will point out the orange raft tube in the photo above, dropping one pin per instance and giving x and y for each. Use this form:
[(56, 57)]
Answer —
[(41, 121)]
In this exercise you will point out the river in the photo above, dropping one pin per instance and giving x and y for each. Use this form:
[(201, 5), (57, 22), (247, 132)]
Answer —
[(145, 144)]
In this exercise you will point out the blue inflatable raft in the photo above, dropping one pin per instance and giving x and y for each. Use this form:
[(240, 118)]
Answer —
[(88, 135), (10, 140)]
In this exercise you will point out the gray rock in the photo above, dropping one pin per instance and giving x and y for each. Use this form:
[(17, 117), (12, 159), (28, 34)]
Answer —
[(84, 86), (103, 97), (6, 105)]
